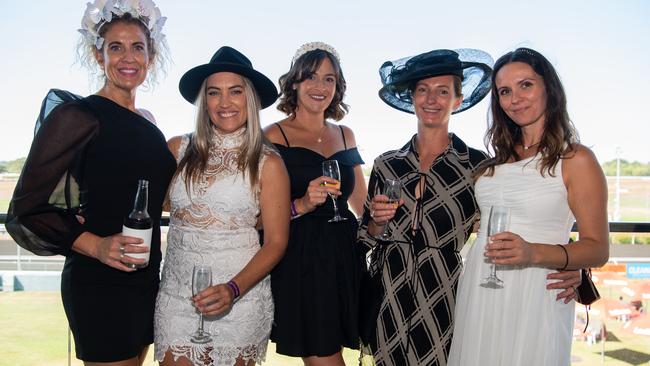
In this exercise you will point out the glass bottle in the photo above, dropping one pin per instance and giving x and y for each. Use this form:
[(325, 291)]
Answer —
[(138, 223)]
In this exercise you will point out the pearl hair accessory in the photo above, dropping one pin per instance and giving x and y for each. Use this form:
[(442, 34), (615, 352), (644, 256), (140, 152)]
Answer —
[(101, 12), (311, 46)]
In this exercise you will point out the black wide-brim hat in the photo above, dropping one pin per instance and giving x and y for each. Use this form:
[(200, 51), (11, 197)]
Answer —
[(474, 67), (230, 60)]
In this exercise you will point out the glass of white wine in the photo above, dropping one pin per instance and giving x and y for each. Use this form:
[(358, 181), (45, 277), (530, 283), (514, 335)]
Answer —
[(331, 169), (392, 190), (201, 279), (499, 222)]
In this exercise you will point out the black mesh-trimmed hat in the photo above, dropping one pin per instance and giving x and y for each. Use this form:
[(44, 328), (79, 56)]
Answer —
[(473, 66)]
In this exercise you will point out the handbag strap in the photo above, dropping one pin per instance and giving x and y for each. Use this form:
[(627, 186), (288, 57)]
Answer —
[(587, 307)]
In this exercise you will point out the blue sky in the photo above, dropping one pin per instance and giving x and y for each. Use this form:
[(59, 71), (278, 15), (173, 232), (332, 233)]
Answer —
[(601, 50)]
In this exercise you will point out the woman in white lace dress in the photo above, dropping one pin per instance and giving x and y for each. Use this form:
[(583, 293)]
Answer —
[(228, 178)]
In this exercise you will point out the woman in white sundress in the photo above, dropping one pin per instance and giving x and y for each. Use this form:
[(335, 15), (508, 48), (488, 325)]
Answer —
[(228, 178), (548, 180)]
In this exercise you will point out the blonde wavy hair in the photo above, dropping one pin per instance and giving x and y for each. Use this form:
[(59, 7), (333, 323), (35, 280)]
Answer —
[(195, 160)]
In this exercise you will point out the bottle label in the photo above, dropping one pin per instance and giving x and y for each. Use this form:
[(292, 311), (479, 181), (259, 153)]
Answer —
[(144, 234)]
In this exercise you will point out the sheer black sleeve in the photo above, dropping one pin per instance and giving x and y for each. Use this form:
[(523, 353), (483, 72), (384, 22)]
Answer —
[(48, 195)]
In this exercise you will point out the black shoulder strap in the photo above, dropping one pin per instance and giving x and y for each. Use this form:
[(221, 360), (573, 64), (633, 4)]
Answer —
[(345, 145), (283, 135)]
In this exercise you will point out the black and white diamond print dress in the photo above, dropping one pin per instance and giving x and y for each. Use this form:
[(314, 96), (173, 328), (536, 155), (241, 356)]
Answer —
[(421, 267)]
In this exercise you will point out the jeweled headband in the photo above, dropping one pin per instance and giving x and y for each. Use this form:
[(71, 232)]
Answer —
[(311, 46), (101, 12)]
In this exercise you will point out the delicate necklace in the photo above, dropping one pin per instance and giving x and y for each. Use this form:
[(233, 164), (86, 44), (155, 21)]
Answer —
[(320, 134), (532, 145)]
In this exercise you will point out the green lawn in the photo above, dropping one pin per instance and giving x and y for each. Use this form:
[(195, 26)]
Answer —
[(619, 349), (34, 332), (34, 329), (4, 205)]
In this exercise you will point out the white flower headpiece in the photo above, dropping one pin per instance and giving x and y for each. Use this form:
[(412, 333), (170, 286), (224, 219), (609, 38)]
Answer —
[(311, 46), (101, 12)]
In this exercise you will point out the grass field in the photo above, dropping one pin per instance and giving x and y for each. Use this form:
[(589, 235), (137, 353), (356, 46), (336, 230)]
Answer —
[(634, 196), (34, 332), (6, 191)]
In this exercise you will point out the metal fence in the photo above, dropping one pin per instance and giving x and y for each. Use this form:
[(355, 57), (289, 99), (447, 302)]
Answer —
[(12, 257)]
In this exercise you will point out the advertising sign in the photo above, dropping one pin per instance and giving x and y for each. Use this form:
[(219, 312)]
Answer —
[(638, 270)]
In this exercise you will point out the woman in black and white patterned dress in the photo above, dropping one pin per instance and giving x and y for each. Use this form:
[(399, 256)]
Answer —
[(420, 267)]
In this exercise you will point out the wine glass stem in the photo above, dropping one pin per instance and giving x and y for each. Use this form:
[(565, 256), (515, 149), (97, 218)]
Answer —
[(200, 323), (336, 209), (494, 270), (384, 232)]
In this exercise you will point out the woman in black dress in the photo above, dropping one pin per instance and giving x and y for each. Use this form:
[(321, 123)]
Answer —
[(103, 144), (315, 285)]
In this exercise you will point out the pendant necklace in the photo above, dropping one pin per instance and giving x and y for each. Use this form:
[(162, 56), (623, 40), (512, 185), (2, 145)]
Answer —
[(530, 146), (320, 134)]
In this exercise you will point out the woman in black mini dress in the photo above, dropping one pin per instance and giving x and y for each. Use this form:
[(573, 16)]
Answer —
[(315, 285), (103, 144)]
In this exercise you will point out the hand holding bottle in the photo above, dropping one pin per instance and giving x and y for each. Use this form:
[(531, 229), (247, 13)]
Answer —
[(138, 225), (117, 250)]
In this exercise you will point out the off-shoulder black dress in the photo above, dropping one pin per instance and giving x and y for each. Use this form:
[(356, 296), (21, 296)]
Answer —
[(107, 148), (316, 284)]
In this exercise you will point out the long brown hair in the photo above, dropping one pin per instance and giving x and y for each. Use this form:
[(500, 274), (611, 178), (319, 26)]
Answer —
[(304, 67), (195, 160), (504, 134)]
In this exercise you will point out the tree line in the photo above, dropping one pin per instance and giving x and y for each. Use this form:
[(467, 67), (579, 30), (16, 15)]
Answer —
[(13, 166), (633, 168)]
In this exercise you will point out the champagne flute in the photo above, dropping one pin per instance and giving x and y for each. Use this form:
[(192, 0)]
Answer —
[(331, 169), (393, 190), (498, 222), (201, 279)]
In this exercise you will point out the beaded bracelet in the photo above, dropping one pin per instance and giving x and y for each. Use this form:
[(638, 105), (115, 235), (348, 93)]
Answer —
[(235, 289), (566, 258), (294, 211)]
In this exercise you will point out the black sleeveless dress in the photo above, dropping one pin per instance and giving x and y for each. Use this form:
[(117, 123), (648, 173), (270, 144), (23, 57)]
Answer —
[(316, 284)]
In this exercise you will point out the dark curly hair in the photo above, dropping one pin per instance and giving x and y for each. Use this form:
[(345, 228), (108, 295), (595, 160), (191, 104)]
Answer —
[(504, 134), (304, 67)]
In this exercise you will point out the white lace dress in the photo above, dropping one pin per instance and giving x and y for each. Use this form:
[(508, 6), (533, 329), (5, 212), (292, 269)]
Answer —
[(522, 323), (213, 225)]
